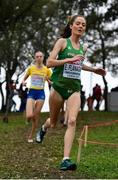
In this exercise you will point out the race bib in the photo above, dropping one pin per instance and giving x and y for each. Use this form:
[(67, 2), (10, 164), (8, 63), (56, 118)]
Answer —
[(73, 70), (37, 81)]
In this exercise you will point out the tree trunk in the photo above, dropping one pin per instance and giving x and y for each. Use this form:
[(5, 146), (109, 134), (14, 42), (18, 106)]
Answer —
[(2, 97), (105, 95), (103, 50)]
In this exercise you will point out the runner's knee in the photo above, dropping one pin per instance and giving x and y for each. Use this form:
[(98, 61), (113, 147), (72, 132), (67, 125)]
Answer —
[(30, 116), (72, 121), (53, 125)]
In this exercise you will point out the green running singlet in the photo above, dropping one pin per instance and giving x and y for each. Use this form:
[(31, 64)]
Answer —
[(66, 78)]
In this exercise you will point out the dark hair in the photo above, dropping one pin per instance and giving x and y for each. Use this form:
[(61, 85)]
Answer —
[(67, 31)]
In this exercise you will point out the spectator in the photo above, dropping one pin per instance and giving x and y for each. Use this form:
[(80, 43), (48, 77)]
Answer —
[(90, 103), (97, 94), (23, 97)]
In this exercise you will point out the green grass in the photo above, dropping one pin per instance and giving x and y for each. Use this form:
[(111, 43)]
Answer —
[(18, 159)]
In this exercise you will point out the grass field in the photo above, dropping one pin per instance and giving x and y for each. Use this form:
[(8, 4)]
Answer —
[(21, 160)]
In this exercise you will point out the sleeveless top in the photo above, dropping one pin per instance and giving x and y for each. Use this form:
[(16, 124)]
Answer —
[(68, 75), (38, 76)]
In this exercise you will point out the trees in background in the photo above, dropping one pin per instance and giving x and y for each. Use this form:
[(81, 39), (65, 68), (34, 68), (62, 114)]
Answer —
[(26, 26), (102, 33), (23, 29)]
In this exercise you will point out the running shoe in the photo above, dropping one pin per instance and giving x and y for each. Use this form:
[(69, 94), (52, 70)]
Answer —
[(67, 164), (40, 135)]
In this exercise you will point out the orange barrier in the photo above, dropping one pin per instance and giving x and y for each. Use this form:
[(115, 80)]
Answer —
[(85, 134), (100, 143), (102, 124)]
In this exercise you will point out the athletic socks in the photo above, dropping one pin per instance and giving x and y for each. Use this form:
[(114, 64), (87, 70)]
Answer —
[(65, 158)]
